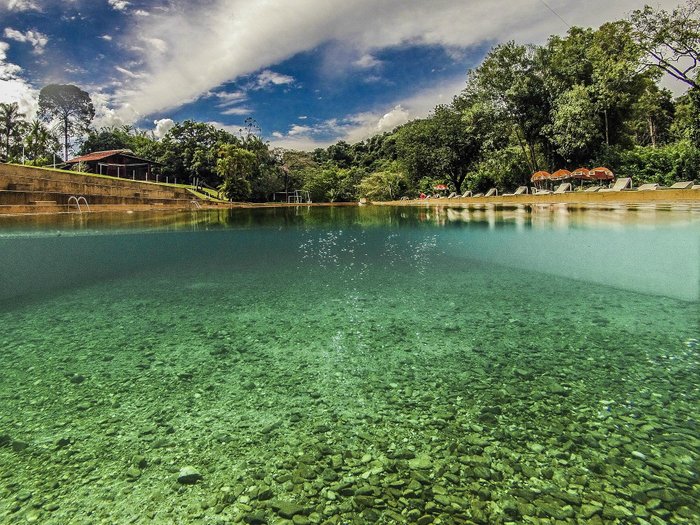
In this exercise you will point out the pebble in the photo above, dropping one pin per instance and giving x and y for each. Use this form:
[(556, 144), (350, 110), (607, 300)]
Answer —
[(189, 476)]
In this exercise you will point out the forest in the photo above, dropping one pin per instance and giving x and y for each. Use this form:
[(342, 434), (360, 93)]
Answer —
[(589, 98)]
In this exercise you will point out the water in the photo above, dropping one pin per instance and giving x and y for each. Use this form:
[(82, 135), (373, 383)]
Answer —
[(352, 365)]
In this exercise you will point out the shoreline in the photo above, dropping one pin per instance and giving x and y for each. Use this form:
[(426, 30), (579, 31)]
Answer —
[(664, 198)]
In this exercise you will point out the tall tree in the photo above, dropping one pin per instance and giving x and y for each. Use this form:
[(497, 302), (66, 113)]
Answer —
[(671, 41), (235, 166), (69, 105), (11, 123)]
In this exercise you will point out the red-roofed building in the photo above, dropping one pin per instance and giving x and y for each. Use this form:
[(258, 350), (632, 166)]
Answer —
[(115, 163)]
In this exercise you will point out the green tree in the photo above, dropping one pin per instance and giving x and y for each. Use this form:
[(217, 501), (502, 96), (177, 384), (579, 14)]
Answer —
[(234, 166), (11, 125), (40, 143), (388, 184), (575, 129), (441, 147), (190, 150), (70, 106)]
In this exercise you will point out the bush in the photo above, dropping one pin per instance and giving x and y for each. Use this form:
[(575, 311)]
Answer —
[(663, 165)]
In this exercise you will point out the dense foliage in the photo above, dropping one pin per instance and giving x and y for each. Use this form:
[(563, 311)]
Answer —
[(589, 98)]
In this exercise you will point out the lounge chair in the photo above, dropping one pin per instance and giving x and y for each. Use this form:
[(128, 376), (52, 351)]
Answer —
[(592, 189), (452, 195), (563, 188), (520, 191), (620, 184), (493, 192), (647, 187), (538, 191), (466, 194), (685, 185), (478, 195)]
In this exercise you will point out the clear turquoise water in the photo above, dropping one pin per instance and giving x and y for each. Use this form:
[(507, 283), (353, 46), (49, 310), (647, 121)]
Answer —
[(352, 365)]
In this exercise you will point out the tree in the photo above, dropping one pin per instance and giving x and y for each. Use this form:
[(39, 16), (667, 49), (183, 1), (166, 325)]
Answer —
[(575, 131), (70, 106), (235, 166), (190, 151), (11, 124), (40, 143), (671, 41), (441, 147)]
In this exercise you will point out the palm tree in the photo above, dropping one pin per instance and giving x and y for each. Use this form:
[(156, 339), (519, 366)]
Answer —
[(11, 123), (39, 141)]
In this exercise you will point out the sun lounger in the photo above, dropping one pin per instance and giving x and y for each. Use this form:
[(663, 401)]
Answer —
[(520, 191), (647, 187), (592, 189), (491, 193), (563, 188), (466, 194), (452, 195), (537, 191), (620, 184), (478, 195), (685, 185)]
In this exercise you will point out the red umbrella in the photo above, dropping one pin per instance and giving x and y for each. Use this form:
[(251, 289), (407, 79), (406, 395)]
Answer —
[(540, 175), (441, 187), (581, 173), (561, 175), (601, 173)]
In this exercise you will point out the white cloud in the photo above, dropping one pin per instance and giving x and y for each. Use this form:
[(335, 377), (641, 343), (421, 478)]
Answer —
[(141, 12), (13, 88), (228, 99), (119, 5), (367, 61), (162, 127), (270, 78), (237, 111), (105, 115), (357, 127), (157, 44), (108, 38), (227, 39), (37, 40), (21, 5), (128, 73)]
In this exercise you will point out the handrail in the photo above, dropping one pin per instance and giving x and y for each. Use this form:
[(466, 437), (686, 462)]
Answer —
[(77, 201)]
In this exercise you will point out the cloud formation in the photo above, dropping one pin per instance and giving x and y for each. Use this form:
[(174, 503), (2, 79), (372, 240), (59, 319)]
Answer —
[(207, 47), (357, 127), (119, 5), (37, 40), (21, 5), (13, 88)]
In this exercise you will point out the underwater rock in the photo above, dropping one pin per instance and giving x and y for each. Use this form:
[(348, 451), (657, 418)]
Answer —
[(288, 509), (422, 462), (189, 476)]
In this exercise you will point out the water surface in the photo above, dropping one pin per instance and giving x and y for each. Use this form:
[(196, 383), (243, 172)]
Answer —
[(351, 365)]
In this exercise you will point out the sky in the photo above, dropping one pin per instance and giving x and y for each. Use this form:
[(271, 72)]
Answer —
[(310, 72)]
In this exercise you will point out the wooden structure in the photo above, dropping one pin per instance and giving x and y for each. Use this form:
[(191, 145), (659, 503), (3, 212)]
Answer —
[(121, 163)]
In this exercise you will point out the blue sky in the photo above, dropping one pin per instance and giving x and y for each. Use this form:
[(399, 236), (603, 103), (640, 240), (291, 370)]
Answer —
[(310, 72)]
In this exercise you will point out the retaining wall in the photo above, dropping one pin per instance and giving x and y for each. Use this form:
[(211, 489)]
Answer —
[(25, 186)]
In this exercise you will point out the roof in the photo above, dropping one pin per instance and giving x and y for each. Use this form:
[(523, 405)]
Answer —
[(101, 155)]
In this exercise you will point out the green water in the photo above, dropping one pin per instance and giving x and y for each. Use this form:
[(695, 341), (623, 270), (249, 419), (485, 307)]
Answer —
[(351, 365)]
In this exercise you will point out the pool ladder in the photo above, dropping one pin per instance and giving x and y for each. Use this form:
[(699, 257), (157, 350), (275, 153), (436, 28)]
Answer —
[(77, 201)]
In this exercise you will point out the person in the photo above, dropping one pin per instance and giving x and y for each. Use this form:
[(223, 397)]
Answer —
[(422, 195)]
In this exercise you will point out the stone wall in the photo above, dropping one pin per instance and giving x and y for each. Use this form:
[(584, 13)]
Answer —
[(22, 185)]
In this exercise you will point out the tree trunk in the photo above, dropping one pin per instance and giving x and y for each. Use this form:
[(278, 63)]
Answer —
[(652, 132), (607, 135), (65, 139)]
